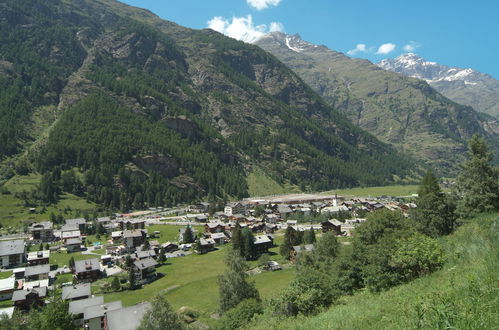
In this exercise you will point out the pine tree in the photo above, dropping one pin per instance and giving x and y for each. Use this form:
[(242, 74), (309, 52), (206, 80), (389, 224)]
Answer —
[(477, 184), (434, 214), (233, 285), (188, 236), (132, 280), (161, 316), (309, 236), (291, 238), (72, 263), (236, 238), (247, 247), (162, 257), (115, 284)]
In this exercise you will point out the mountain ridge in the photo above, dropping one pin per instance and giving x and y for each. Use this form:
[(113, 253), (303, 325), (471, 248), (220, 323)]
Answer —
[(466, 86)]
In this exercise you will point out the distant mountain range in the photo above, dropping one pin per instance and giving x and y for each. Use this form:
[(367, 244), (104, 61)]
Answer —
[(403, 111), (464, 86)]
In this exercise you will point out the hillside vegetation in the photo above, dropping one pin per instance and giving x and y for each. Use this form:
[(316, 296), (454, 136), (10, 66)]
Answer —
[(462, 295), (144, 112)]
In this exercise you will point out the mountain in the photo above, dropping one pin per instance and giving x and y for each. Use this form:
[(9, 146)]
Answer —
[(464, 86), (403, 111), (130, 110)]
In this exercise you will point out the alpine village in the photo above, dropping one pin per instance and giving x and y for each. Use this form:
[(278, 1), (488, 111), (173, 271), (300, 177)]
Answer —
[(154, 176)]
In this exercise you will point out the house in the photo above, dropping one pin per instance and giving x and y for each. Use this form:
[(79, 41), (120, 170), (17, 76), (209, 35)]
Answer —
[(145, 269), (271, 218), (87, 270), (19, 273), (134, 238), (169, 246), (234, 208), (73, 244), (25, 299), (94, 317), (214, 227), (42, 231), (12, 253), (7, 288), (80, 223), (127, 318), (206, 245), (219, 238), (284, 210), (69, 234), (76, 292), (262, 244), (38, 257), (117, 236), (269, 228), (298, 249), (131, 224), (334, 209), (145, 254), (105, 259), (77, 308), (200, 207), (37, 273), (332, 225)]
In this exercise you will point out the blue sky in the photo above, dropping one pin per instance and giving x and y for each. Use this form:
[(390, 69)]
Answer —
[(452, 32)]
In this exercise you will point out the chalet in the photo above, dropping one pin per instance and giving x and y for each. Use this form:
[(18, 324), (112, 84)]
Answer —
[(87, 270), (235, 208), (284, 210), (214, 227), (42, 231), (117, 236), (73, 244), (263, 243), (25, 299), (145, 269), (19, 273), (334, 209), (169, 247), (76, 292), (38, 257), (206, 245), (298, 249), (134, 238), (219, 238), (69, 234), (12, 253), (200, 207), (271, 218), (201, 218), (105, 259), (7, 288), (37, 273), (269, 228), (144, 254), (332, 225), (131, 224), (127, 318), (94, 317), (77, 308), (80, 223), (257, 227)]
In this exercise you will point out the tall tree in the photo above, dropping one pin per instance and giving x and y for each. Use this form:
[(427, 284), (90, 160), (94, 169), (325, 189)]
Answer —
[(291, 238), (236, 237), (188, 236), (309, 236), (234, 286), (161, 316), (434, 215), (52, 316), (478, 182), (247, 247)]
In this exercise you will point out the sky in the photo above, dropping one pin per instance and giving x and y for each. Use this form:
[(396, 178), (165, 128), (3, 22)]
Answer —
[(461, 33)]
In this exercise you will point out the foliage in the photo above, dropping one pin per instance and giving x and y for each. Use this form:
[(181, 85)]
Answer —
[(240, 315), (188, 235), (263, 260), (52, 316), (309, 236), (161, 316), (291, 238), (161, 257), (478, 183), (115, 284), (233, 285), (435, 210)]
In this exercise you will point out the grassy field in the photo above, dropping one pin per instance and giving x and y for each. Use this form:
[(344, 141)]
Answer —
[(377, 191), (192, 281), (5, 274), (260, 184), (169, 233), (462, 295), (14, 213)]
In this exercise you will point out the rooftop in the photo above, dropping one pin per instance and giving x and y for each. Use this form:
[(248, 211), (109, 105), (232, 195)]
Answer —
[(87, 265), (100, 310), (37, 270), (11, 247), (76, 291), (78, 306), (20, 295), (145, 263), (38, 255)]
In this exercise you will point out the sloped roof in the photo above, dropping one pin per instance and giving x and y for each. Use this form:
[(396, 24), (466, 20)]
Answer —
[(127, 318), (145, 263), (76, 291), (11, 247), (87, 265)]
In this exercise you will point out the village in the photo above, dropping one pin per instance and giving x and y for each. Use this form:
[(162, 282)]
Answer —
[(124, 252)]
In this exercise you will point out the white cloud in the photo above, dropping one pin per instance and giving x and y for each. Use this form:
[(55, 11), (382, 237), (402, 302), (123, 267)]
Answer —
[(411, 46), (386, 48), (262, 4), (360, 48), (242, 28)]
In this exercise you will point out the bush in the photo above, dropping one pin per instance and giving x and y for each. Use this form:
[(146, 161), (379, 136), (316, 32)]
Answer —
[(241, 314)]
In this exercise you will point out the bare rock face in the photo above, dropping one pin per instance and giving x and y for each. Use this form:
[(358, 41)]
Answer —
[(163, 164)]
